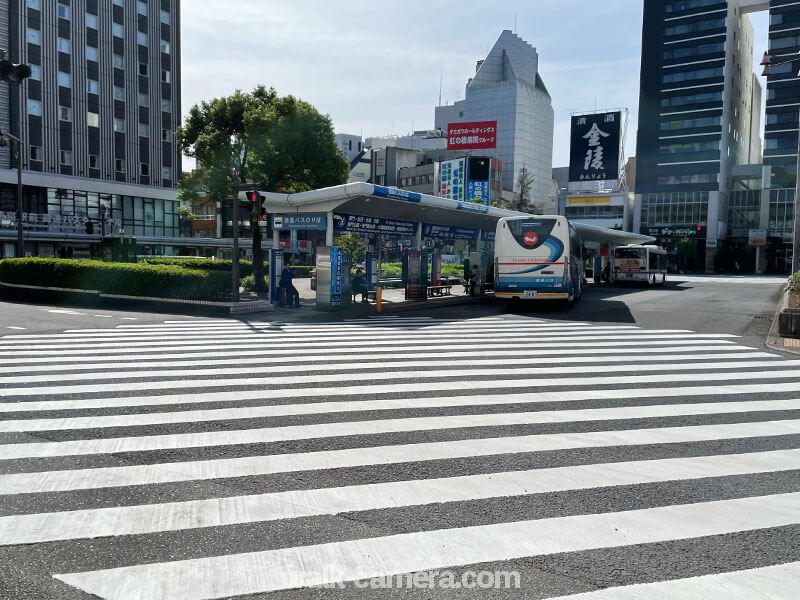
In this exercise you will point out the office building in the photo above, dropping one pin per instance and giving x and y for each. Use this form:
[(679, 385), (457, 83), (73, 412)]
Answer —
[(508, 88), (97, 118)]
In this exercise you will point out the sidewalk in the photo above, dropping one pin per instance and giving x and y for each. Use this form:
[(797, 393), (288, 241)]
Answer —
[(393, 301)]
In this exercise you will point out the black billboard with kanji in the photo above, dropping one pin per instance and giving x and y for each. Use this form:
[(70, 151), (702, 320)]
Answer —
[(594, 147)]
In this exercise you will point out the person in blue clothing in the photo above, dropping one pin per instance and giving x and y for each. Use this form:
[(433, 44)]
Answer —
[(292, 295)]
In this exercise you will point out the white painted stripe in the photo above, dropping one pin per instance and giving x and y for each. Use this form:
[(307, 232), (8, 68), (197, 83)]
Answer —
[(14, 327), (118, 331), (290, 354), (322, 430), (778, 582), (106, 477), (215, 512), (471, 399), (289, 568), (347, 370), (104, 316), (375, 346), (359, 338), (474, 375), (320, 362)]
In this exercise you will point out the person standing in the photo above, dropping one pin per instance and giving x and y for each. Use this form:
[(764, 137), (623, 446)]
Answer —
[(360, 286), (474, 278), (292, 295)]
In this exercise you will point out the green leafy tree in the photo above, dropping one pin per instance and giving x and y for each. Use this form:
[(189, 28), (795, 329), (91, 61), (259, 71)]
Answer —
[(352, 245), (289, 145), (687, 250)]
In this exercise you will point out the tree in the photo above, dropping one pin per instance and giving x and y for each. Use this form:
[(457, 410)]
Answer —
[(687, 250), (352, 245), (288, 143), (525, 182)]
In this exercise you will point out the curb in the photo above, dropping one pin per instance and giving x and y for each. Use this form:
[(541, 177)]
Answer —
[(32, 293), (774, 339)]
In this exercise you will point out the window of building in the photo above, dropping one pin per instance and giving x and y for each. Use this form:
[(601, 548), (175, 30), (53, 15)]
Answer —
[(119, 61), (62, 10), (92, 86), (91, 53), (65, 157), (144, 169), (94, 161), (35, 108), (35, 152), (141, 38), (117, 30), (702, 98), (33, 36), (34, 4), (144, 130), (143, 69), (141, 8), (93, 119), (119, 165), (695, 26), (165, 46), (144, 99), (64, 113), (64, 79), (166, 106), (119, 94), (166, 173), (164, 16), (679, 76), (166, 76), (165, 135), (91, 20), (36, 72), (63, 45), (119, 125)]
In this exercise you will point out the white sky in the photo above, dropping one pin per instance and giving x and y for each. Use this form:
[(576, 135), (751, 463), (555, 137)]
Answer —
[(375, 67)]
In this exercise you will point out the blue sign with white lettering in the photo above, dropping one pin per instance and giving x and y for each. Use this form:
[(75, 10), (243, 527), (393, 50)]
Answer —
[(391, 192), (487, 236), (478, 190), (448, 232), (312, 221), (470, 207), (364, 224)]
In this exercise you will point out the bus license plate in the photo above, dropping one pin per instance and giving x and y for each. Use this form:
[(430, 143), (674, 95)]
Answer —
[(529, 294)]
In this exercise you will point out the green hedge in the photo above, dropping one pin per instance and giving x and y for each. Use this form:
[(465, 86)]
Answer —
[(395, 269), (160, 281), (208, 264)]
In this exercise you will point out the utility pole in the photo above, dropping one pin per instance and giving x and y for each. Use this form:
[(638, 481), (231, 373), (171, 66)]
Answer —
[(17, 152)]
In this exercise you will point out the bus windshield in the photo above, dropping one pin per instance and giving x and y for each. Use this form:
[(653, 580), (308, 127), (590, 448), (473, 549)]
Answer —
[(630, 252), (531, 233)]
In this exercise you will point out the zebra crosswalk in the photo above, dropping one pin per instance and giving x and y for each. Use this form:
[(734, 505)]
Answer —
[(217, 459)]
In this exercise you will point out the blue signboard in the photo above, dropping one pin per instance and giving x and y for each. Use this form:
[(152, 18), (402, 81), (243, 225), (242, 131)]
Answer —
[(275, 268), (470, 207), (313, 221), (487, 236), (391, 192), (478, 190), (364, 224), (448, 232)]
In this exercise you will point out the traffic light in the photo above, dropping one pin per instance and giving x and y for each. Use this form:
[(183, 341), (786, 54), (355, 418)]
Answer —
[(89, 227), (10, 72), (257, 209)]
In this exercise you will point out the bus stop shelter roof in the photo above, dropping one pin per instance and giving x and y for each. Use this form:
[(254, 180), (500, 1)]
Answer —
[(393, 203)]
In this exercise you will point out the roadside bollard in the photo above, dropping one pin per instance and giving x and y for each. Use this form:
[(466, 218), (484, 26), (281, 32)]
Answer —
[(378, 299)]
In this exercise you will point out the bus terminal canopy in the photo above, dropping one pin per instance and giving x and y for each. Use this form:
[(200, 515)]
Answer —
[(366, 199)]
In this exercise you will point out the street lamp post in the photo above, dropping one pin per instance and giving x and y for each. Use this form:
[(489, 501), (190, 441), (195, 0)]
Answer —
[(773, 60), (14, 74)]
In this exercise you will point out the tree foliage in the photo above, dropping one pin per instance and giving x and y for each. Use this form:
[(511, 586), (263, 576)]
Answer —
[(289, 146), (353, 245)]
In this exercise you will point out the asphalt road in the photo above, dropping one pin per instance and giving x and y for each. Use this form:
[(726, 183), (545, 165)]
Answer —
[(644, 441)]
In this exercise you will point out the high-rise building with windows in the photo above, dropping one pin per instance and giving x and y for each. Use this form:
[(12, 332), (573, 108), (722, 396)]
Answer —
[(97, 118), (699, 128)]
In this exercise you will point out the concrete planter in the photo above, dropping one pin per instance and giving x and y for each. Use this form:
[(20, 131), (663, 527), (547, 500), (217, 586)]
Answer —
[(789, 318)]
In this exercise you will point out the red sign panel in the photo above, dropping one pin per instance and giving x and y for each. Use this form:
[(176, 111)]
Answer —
[(472, 136), (530, 238)]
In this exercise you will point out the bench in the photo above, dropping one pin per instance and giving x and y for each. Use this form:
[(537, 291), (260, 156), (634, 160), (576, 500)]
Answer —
[(439, 290)]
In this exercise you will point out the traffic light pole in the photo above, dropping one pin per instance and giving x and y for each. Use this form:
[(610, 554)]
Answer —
[(235, 239), (18, 158)]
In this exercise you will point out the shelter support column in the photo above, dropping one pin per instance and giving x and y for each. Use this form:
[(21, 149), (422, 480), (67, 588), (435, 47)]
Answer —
[(329, 229), (478, 242), (418, 239)]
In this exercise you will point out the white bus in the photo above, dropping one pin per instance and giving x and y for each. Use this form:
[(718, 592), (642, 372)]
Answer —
[(537, 258), (644, 264)]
